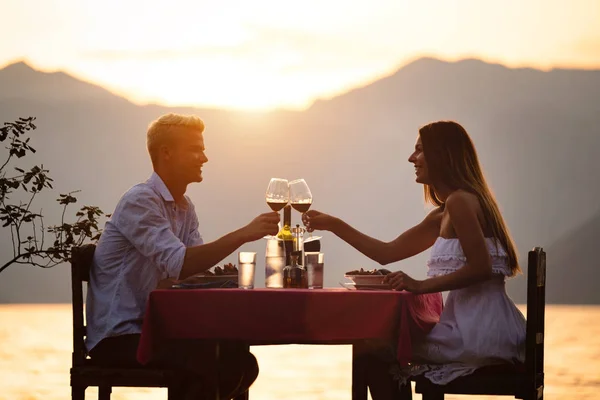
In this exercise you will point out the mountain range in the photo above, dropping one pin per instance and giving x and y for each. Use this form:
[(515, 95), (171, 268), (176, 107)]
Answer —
[(537, 134)]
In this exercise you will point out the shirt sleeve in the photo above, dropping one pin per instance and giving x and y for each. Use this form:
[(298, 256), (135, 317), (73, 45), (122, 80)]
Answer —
[(141, 219)]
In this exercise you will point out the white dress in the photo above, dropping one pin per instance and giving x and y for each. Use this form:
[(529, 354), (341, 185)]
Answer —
[(479, 326)]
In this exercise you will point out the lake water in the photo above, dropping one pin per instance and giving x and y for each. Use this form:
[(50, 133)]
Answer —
[(36, 345)]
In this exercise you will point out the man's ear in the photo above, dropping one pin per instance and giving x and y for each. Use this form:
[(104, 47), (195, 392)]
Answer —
[(165, 152)]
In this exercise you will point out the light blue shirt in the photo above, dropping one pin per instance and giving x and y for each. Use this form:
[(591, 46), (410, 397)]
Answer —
[(144, 242)]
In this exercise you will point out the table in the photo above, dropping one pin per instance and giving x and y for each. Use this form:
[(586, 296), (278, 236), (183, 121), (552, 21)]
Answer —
[(287, 316)]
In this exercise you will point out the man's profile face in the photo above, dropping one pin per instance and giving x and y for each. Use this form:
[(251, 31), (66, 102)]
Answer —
[(187, 155)]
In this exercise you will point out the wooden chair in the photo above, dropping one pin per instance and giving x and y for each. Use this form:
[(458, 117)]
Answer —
[(523, 383), (83, 371)]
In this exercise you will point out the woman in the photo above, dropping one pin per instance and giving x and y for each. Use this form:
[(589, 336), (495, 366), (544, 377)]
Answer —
[(472, 255)]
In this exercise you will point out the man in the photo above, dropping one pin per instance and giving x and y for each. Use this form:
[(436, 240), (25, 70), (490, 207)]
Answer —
[(153, 237)]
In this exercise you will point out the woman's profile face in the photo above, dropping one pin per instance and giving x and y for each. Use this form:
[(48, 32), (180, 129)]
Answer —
[(417, 158)]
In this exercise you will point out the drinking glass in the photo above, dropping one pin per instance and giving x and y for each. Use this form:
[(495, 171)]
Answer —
[(300, 195), (274, 264), (246, 269), (314, 262), (301, 198), (277, 196)]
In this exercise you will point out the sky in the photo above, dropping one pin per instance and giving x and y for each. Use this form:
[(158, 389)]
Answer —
[(266, 54)]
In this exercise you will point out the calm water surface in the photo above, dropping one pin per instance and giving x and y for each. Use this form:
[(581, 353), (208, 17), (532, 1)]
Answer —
[(35, 355)]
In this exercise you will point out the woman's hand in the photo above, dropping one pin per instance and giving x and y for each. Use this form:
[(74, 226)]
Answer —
[(400, 281), (316, 220)]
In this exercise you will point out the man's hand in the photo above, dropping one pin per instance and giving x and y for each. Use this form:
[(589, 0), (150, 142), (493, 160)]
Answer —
[(264, 224), (400, 281), (166, 283), (316, 220)]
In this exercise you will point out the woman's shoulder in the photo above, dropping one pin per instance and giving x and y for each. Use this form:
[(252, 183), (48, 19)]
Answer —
[(460, 200), (435, 216), (461, 195), (436, 212), (463, 205)]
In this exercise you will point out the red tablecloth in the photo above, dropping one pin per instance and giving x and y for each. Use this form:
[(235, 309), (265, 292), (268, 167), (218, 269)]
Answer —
[(287, 316)]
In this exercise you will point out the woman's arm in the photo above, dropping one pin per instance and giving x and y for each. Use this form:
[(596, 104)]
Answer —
[(413, 241), (463, 209)]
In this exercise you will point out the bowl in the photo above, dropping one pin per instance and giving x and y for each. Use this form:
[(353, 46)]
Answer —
[(366, 279)]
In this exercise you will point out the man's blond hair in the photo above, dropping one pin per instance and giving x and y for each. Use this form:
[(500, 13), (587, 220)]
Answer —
[(163, 130)]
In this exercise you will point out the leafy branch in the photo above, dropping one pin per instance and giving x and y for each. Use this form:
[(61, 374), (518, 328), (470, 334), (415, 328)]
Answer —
[(27, 229)]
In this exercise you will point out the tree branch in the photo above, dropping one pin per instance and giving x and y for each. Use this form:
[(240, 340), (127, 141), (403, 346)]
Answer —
[(43, 231), (12, 237), (6, 162), (27, 209), (31, 251)]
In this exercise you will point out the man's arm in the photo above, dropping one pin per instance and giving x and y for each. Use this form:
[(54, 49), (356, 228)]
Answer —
[(139, 219), (200, 258)]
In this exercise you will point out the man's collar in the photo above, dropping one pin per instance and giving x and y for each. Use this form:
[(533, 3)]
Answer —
[(157, 183)]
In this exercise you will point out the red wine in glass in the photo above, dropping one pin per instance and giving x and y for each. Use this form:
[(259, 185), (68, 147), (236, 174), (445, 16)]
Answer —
[(302, 207), (277, 205), (277, 195)]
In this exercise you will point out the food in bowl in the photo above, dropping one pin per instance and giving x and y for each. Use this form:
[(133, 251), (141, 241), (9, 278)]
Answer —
[(367, 277), (362, 271), (227, 269), (228, 272)]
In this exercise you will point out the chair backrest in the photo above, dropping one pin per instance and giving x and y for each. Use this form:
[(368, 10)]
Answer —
[(81, 261), (536, 304)]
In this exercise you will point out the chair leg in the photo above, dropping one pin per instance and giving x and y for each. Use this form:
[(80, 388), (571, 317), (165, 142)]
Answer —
[(359, 373), (535, 394), (78, 392), (405, 392), (175, 392), (104, 392), (243, 396), (433, 396)]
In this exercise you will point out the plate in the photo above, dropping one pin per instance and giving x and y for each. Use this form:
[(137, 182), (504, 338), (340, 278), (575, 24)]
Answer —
[(373, 286), (311, 238), (210, 278), (206, 285), (366, 279), (271, 237)]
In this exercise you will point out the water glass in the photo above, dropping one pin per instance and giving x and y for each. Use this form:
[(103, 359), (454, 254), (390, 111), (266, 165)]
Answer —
[(314, 262), (246, 268), (274, 264)]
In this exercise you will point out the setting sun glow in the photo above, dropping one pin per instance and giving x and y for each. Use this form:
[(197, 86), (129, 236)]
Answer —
[(269, 54)]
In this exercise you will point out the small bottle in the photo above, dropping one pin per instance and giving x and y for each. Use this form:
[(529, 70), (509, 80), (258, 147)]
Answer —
[(285, 233), (294, 276), (298, 234)]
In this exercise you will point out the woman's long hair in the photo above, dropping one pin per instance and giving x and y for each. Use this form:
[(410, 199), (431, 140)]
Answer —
[(452, 160)]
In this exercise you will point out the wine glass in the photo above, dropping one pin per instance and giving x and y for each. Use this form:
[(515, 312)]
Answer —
[(300, 195), (301, 198), (277, 196)]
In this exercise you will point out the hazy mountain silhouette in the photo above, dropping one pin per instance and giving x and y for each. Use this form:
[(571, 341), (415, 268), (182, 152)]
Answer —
[(537, 134), (574, 275), (20, 81)]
